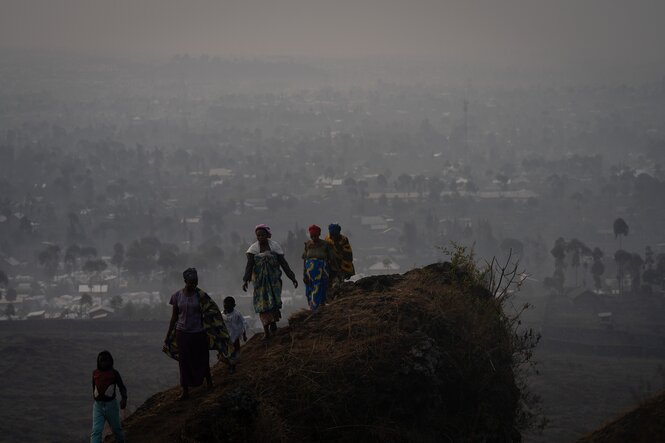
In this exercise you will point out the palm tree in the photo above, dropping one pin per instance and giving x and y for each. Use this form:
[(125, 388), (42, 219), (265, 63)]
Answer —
[(620, 229), (648, 257), (622, 258), (577, 248), (597, 270), (85, 300), (635, 267)]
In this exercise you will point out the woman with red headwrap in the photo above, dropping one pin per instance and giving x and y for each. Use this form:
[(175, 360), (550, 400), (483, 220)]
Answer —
[(319, 262), (265, 257)]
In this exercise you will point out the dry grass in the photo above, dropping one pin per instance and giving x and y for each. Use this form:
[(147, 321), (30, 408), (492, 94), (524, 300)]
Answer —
[(391, 358), (644, 424)]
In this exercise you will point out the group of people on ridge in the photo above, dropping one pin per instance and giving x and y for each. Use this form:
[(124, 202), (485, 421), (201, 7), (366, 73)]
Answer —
[(197, 325), (325, 263)]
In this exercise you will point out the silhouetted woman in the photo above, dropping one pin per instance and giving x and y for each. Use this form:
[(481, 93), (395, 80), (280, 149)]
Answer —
[(196, 326)]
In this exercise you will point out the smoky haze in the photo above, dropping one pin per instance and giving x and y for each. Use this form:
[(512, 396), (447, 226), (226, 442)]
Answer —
[(141, 137), (513, 31)]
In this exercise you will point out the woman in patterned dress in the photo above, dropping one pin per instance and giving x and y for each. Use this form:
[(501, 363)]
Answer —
[(319, 263), (265, 261)]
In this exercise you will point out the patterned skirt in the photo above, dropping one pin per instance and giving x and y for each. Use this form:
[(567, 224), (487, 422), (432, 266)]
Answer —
[(267, 288), (316, 290)]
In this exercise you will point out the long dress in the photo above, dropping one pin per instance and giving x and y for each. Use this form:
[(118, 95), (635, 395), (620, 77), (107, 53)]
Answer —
[(319, 262), (344, 255), (264, 268), (267, 287), (191, 349)]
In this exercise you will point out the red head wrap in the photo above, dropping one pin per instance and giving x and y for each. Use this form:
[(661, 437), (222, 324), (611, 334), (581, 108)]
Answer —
[(314, 230)]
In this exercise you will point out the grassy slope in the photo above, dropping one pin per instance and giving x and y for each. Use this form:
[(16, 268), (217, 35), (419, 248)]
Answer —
[(393, 358), (644, 424)]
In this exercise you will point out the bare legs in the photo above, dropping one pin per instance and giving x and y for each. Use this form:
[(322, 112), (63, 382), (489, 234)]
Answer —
[(269, 330)]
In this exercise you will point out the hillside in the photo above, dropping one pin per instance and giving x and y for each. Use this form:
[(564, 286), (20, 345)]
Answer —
[(644, 424), (413, 357)]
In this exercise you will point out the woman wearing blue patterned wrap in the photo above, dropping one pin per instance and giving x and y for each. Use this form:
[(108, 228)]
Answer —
[(319, 262), (265, 261)]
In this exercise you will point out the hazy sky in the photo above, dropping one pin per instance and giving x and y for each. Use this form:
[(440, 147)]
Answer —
[(520, 30)]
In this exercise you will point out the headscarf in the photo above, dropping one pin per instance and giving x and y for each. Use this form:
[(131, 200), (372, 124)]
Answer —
[(265, 228), (334, 229), (314, 230), (190, 274)]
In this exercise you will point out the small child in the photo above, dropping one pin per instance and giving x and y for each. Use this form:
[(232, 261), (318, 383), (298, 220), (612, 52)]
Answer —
[(105, 408), (237, 326)]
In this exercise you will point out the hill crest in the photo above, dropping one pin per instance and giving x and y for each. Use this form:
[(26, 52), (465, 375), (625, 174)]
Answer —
[(421, 356)]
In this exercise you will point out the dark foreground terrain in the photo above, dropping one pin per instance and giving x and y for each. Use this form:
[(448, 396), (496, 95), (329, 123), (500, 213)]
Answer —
[(46, 366), (45, 369), (401, 358), (582, 392)]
